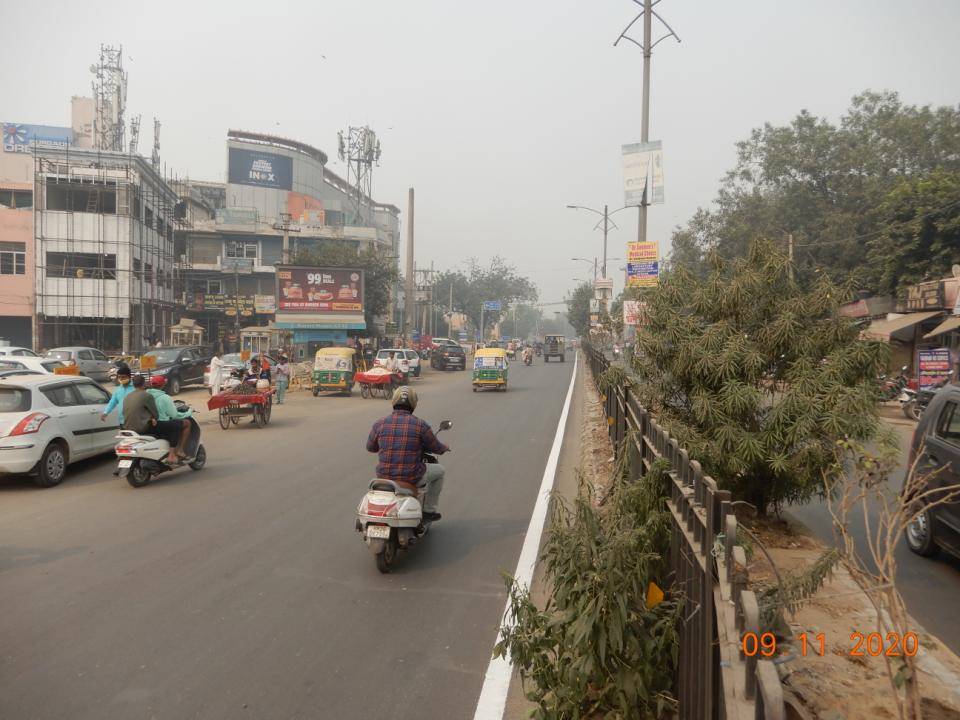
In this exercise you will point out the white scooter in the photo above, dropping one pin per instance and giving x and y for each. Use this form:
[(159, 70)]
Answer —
[(143, 457), (390, 517)]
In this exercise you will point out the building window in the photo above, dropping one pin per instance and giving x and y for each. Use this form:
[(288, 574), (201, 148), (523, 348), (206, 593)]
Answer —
[(99, 198), (13, 257), (16, 199), (148, 273), (241, 250), (148, 217), (161, 227), (215, 287), (81, 266)]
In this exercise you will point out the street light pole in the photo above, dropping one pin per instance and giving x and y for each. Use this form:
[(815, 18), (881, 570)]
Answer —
[(606, 221), (645, 121)]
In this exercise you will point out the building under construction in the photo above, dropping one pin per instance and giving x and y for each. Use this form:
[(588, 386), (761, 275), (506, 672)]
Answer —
[(104, 250)]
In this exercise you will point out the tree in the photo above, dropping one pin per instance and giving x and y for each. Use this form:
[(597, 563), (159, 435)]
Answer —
[(826, 184), (379, 277), (922, 236), (578, 308), (497, 281), (757, 376)]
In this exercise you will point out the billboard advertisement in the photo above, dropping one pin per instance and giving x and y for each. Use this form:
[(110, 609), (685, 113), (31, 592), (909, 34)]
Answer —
[(21, 138), (634, 312), (260, 169), (640, 161), (305, 209), (320, 290)]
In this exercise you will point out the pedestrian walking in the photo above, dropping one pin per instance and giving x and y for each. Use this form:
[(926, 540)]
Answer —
[(282, 376), (216, 373)]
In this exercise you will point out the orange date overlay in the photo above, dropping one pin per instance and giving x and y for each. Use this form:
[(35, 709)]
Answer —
[(861, 644)]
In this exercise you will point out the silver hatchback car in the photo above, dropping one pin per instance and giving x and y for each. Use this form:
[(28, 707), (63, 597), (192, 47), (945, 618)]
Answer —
[(89, 361)]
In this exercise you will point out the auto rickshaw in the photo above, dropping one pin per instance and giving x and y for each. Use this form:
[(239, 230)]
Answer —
[(490, 369), (333, 369)]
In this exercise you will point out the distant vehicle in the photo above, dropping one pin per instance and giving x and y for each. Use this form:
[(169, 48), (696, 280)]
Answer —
[(553, 346), (17, 351), (937, 439), (438, 341), (50, 421), (89, 361), (445, 357), (40, 365), (231, 362), (180, 365)]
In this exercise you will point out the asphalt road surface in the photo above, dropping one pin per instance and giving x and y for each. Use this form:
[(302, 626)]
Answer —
[(930, 586), (243, 590)]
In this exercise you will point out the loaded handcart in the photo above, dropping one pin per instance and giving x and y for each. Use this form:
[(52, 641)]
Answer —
[(378, 381), (241, 401)]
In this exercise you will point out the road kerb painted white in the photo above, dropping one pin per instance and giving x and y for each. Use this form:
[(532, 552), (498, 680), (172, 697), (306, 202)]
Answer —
[(496, 681)]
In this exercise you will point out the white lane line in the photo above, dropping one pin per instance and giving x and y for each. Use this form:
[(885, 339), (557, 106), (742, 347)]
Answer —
[(496, 682)]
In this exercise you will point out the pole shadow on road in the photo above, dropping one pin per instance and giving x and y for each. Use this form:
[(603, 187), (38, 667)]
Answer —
[(13, 557)]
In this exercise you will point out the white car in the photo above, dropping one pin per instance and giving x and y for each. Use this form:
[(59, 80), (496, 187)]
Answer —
[(407, 360), (50, 421), (43, 366), (17, 351)]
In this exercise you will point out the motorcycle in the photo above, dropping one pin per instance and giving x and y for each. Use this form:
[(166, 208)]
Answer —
[(528, 358), (390, 517), (891, 388), (914, 402), (140, 458)]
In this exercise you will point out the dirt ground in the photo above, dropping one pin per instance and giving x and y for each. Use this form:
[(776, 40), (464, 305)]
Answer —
[(841, 685)]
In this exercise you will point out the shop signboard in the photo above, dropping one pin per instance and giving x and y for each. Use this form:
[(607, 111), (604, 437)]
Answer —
[(319, 290), (22, 138), (264, 304), (260, 169), (219, 302), (925, 296), (933, 367), (642, 252)]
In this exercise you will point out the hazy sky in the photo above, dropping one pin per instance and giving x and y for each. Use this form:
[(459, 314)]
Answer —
[(499, 113)]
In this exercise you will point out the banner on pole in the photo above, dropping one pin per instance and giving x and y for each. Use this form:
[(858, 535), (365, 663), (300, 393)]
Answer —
[(634, 312), (640, 162)]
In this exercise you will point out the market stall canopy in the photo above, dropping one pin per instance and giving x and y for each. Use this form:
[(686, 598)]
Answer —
[(883, 329), (951, 323)]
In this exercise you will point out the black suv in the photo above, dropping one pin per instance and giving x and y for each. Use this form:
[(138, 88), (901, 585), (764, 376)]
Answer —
[(180, 365), (937, 438), (445, 357)]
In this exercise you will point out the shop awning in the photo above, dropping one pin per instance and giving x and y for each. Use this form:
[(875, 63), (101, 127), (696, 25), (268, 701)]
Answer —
[(951, 323), (883, 329)]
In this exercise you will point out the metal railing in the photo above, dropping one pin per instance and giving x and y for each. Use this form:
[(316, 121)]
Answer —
[(716, 679)]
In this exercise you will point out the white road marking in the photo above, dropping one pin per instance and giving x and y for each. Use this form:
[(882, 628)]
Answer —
[(496, 682)]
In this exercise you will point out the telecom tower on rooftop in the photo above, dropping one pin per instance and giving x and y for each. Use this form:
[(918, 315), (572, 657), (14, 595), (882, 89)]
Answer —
[(110, 99), (359, 148)]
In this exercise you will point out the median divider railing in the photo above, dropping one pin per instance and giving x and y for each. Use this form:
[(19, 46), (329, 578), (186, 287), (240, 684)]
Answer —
[(716, 679)]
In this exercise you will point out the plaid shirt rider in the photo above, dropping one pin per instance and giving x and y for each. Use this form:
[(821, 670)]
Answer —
[(400, 440)]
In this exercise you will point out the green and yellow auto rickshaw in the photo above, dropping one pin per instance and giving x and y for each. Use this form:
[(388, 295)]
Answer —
[(333, 369), (490, 369)]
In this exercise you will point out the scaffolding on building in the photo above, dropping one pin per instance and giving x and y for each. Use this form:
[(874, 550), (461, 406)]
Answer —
[(106, 271)]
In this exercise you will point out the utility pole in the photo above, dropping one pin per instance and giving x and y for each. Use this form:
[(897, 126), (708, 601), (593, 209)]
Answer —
[(284, 225), (647, 46), (606, 220), (409, 296), (483, 307), (790, 253), (450, 313)]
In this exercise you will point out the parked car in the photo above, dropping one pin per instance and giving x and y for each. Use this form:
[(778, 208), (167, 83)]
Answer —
[(937, 440), (180, 365), (231, 362), (50, 421), (17, 351), (445, 357), (90, 361), (403, 360), (40, 365)]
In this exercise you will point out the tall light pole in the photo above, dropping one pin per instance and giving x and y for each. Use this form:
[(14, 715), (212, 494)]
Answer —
[(592, 262), (606, 227), (647, 46)]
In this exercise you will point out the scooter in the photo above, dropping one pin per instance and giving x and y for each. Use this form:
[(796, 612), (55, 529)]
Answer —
[(528, 358), (914, 402), (390, 517), (142, 457), (891, 388)]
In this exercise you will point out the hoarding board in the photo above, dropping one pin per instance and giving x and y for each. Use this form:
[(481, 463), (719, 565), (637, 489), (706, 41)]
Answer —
[(492, 305), (265, 304), (260, 169), (933, 367), (640, 160), (319, 290), (634, 312), (642, 251), (643, 274), (22, 138)]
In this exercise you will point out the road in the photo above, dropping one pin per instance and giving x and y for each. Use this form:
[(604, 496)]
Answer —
[(929, 586), (244, 591)]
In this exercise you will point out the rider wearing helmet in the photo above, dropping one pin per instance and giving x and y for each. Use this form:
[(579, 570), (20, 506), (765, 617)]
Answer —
[(400, 440), (171, 423)]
